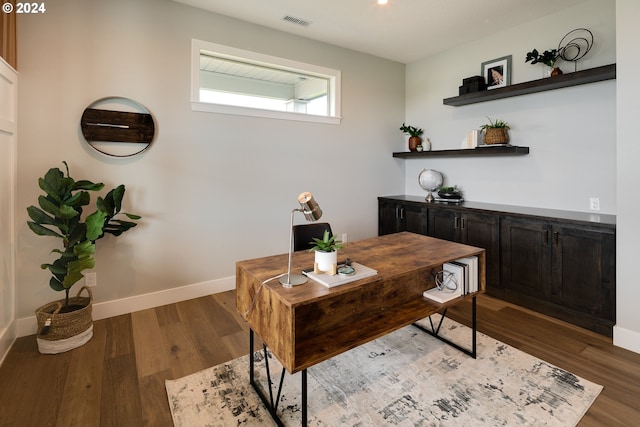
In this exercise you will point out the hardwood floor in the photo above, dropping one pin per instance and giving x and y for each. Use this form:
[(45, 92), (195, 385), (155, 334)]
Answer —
[(117, 379)]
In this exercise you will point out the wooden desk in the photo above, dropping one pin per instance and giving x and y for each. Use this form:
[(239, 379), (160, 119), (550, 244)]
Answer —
[(307, 324), (310, 323)]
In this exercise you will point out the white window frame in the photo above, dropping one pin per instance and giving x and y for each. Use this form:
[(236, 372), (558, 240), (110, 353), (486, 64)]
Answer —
[(333, 76)]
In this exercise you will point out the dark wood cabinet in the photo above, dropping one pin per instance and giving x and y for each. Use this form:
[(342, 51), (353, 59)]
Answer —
[(564, 270), (476, 229), (559, 263), (394, 217)]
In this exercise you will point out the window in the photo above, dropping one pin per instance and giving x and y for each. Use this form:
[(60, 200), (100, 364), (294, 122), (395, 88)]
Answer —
[(233, 81)]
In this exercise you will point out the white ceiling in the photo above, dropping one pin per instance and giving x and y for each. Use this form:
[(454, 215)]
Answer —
[(402, 30)]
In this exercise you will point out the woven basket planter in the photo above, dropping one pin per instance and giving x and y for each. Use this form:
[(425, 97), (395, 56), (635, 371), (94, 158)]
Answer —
[(496, 136), (60, 332)]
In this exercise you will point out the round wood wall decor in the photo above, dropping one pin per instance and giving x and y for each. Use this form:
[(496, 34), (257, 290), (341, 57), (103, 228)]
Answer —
[(117, 126)]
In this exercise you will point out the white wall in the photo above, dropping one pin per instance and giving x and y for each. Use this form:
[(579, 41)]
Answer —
[(570, 132), (627, 331), (8, 171), (213, 189)]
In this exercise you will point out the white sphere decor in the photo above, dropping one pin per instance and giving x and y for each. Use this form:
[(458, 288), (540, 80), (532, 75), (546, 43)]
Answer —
[(430, 180)]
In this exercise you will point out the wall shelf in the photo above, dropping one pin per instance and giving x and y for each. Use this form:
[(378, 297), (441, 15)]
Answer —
[(510, 150), (592, 75)]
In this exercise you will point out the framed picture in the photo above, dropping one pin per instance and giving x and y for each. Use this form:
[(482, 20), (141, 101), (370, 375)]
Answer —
[(497, 72)]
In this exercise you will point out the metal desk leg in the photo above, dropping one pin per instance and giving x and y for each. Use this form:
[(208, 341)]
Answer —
[(436, 330), (269, 402)]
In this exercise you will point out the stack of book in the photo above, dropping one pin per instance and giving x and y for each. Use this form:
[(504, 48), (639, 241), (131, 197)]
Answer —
[(459, 277)]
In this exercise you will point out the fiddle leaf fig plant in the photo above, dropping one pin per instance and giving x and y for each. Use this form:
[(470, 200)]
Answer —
[(328, 243), (60, 215)]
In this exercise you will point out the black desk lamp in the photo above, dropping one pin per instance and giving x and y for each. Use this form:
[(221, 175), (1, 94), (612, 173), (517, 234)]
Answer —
[(312, 212)]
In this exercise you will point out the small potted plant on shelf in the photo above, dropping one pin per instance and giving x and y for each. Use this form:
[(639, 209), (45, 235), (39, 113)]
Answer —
[(326, 253), (495, 132), (67, 323), (414, 136), (548, 58), (452, 193)]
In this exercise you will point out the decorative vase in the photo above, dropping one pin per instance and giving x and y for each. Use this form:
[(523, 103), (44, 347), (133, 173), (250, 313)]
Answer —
[(426, 145), (326, 262), (414, 141), (550, 71)]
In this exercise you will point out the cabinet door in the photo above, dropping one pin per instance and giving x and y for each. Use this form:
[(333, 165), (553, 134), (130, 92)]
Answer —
[(387, 218), (414, 219), (395, 217), (444, 224), (583, 270), (526, 257), (483, 231)]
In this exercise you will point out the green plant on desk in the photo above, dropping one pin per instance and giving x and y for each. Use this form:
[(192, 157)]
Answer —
[(328, 243)]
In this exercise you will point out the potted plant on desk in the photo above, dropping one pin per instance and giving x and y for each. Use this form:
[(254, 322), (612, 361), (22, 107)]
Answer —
[(67, 323), (326, 253)]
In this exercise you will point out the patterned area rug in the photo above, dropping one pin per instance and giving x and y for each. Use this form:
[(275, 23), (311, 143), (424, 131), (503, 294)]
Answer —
[(406, 378)]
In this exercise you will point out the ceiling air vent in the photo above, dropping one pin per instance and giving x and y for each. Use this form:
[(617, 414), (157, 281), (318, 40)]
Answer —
[(297, 21)]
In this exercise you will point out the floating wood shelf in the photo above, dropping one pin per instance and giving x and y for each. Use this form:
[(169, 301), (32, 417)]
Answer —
[(510, 150), (606, 72)]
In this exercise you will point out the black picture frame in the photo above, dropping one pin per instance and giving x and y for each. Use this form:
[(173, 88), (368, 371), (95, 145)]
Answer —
[(497, 72)]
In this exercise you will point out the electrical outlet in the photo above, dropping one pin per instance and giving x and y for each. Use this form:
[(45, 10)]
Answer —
[(344, 237), (91, 279), (594, 203)]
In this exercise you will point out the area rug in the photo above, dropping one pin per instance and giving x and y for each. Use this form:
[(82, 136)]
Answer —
[(407, 378)]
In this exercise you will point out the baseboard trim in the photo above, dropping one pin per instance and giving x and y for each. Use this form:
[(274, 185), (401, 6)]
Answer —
[(626, 338), (7, 338), (28, 325)]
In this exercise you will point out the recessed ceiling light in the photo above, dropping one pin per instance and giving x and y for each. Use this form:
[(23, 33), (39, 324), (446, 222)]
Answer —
[(383, 1)]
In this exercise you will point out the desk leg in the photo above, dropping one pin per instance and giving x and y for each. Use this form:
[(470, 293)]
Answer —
[(436, 330), (269, 402)]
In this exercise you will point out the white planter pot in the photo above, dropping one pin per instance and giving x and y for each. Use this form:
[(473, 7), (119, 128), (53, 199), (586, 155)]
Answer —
[(326, 261)]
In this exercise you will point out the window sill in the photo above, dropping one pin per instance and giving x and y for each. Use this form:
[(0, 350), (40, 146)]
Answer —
[(256, 112)]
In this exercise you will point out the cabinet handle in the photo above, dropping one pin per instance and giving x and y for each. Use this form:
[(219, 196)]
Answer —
[(546, 237), (456, 222), (462, 223), (555, 238), (401, 213)]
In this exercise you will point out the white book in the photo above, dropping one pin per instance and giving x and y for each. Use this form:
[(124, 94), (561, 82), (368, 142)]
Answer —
[(361, 271), (472, 262), (441, 295)]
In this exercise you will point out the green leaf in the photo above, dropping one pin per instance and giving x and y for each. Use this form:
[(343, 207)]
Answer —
[(53, 184), (39, 216), (84, 184), (95, 224), (79, 199), (55, 284), (42, 231), (75, 269), (84, 249)]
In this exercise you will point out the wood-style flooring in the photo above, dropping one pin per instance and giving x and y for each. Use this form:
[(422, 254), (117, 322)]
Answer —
[(117, 379)]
